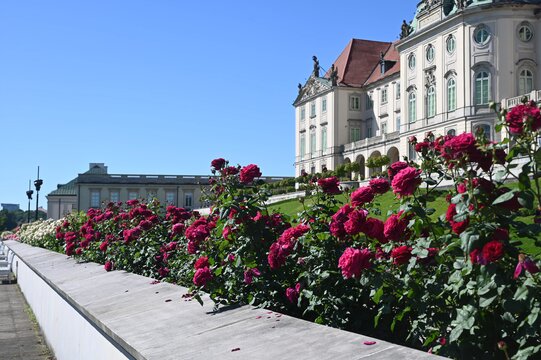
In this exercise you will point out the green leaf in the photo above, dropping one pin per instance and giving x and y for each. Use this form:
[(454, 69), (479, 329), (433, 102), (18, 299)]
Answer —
[(505, 197), (455, 333), (534, 314), (521, 293), (484, 302), (377, 295)]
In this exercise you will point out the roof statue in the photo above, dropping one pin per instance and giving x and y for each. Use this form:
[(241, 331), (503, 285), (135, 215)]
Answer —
[(461, 4), (334, 75), (406, 30), (300, 87), (316, 66)]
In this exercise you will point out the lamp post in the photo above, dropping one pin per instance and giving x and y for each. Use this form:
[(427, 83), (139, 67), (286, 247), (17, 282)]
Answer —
[(29, 195), (37, 183)]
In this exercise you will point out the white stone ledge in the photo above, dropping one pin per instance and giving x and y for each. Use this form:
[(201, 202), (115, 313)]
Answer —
[(88, 313)]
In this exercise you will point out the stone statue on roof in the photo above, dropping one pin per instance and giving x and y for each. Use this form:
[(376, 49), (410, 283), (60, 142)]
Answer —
[(334, 75), (300, 87), (406, 30), (461, 4), (316, 66)]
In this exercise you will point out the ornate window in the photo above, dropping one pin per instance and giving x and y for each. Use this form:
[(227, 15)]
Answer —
[(525, 32), (482, 88), (451, 94), (525, 82), (354, 103), (312, 109), (431, 101), (481, 35), (411, 61), (412, 103), (450, 44), (430, 53)]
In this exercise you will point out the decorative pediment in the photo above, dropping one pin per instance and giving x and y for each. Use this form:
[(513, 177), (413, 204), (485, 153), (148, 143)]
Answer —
[(313, 87)]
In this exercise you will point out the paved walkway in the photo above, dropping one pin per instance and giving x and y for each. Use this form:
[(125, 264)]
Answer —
[(19, 336)]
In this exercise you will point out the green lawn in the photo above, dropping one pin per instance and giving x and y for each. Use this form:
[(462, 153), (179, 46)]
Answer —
[(388, 202)]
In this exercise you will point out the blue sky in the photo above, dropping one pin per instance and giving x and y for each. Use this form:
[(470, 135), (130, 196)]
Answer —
[(163, 86)]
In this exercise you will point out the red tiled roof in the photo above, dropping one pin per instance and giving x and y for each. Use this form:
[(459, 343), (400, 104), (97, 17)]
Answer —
[(358, 61), (391, 55)]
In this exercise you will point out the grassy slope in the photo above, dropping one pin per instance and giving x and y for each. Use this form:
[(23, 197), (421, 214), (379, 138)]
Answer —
[(388, 202)]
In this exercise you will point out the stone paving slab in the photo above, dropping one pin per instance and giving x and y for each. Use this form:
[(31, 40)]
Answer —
[(153, 321), (19, 339)]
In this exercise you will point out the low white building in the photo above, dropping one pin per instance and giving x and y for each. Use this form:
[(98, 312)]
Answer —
[(454, 59)]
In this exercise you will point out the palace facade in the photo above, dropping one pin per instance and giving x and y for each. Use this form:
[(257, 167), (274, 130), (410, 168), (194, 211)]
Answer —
[(452, 60)]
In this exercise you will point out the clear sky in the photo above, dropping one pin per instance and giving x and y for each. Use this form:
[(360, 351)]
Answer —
[(163, 86)]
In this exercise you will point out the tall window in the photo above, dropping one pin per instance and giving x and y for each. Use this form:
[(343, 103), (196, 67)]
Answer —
[(303, 113), (412, 154), (369, 103), (188, 200), (384, 95), (451, 132), (397, 91), (525, 32), (132, 195), (412, 103), (354, 134), (383, 128), (313, 142), (324, 139), (354, 103), (312, 109), (481, 35), (525, 82), (411, 61), (451, 94), (369, 132), (303, 145), (170, 197), (95, 199), (114, 196), (450, 44), (431, 101), (430, 53), (397, 123), (324, 104), (483, 129), (482, 88)]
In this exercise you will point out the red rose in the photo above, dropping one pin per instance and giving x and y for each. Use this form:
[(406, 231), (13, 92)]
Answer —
[(178, 228), (395, 168), (217, 164), (361, 196), (401, 255), (379, 185), (356, 221), (230, 170), (249, 275), (202, 262), (108, 266), (249, 173), (329, 185), (103, 246), (373, 228), (202, 276), (523, 114), (292, 294), (406, 181), (395, 228), (354, 261), (422, 147), (457, 226), (493, 251)]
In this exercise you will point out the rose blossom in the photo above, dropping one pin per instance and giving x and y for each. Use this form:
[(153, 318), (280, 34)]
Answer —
[(108, 266), (406, 181), (521, 114), (292, 294), (249, 173), (401, 255), (362, 196), (525, 263), (202, 276), (249, 275), (493, 251), (202, 262), (379, 185), (395, 227), (395, 168), (354, 261), (373, 228), (103, 246), (356, 221), (329, 185), (218, 163)]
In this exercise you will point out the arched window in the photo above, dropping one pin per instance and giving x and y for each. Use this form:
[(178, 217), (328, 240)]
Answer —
[(483, 129), (450, 44), (431, 101), (525, 82), (482, 88), (412, 103), (451, 94), (451, 132)]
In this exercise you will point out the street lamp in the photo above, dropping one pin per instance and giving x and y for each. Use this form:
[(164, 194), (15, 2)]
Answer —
[(37, 183), (29, 195)]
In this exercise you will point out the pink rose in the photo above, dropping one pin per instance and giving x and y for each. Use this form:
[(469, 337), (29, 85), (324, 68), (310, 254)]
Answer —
[(406, 181), (202, 262), (521, 115), (354, 261), (379, 185), (108, 266), (292, 294), (329, 185), (401, 255), (361, 196), (202, 276), (249, 275), (395, 228), (395, 168), (249, 173)]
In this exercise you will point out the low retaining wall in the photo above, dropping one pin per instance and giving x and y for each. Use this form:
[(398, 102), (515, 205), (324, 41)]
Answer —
[(88, 313)]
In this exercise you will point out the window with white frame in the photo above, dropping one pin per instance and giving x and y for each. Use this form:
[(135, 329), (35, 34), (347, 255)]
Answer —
[(132, 195), (302, 143), (483, 129), (525, 31), (482, 88), (303, 113), (450, 44), (451, 132), (451, 94), (354, 134), (525, 82), (324, 139), (95, 198), (397, 122), (354, 103), (412, 107), (397, 96), (312, 142), (170, 197), (412, 154), (369, 102), (411, 61), (430, 53), (481, 35), (114, 196), (431, 101), (312, 109), (384, 95), (324, 104), (188, 200), (383, 128)]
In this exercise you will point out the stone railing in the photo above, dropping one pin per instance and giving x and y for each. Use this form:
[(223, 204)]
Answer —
[(514, 101), (88, 313)]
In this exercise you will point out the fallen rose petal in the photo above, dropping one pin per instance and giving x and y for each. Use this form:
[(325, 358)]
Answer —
[(168, 300), (369, 342), (235, 349)]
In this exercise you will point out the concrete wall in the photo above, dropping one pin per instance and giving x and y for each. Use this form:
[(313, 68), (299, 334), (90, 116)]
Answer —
[(87, 313)]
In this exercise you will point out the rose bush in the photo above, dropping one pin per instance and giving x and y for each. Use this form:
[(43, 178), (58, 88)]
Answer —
[(458, 285)]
